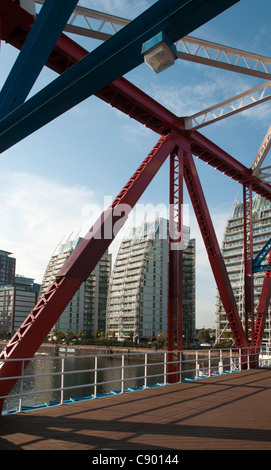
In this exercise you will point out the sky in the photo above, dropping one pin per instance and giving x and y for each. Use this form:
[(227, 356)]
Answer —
[(57, 181)]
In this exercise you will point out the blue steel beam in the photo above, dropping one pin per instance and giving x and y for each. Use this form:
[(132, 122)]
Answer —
[(112, 59), (257, 265), (38, 46)]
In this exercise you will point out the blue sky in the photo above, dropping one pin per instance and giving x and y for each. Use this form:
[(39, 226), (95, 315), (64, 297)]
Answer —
[(53, 183)]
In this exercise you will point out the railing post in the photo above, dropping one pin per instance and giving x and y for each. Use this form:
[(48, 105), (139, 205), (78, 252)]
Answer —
[(145, 370), (122, 373), (197, 366), (261, 353), (62, 381), (248, 358), (220, 365), (231, 368), (240, 358), (165, 368), (21, 388), (209, 362), (180, 366), (95, 376)]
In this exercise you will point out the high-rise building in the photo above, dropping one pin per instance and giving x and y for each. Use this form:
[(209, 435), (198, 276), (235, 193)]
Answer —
[(233, 254), (7, 268), (16, 302), (87, 310), (138, 293)]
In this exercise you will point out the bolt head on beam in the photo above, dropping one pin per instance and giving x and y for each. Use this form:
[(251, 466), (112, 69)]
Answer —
[(159, 52)]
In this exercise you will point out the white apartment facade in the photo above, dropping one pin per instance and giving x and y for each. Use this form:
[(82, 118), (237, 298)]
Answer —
[(87, 310), (137, 304), (232, 251)]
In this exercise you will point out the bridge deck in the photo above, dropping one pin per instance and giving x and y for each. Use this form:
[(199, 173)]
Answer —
[(225, 412)]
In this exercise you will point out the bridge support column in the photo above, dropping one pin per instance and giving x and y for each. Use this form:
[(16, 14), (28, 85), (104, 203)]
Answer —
[(175, 270)]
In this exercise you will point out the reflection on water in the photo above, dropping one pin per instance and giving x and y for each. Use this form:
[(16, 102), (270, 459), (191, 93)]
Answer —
[(79, 373), (83, 380)]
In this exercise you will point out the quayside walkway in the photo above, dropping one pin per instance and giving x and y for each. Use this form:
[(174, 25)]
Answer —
[(225, 412)]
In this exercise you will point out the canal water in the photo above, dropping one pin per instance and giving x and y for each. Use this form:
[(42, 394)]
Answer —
[(79, 372)]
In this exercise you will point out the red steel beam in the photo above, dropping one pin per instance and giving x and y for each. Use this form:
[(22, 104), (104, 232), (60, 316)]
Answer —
[(121, 94), (79, 266), (263, 307), (175, 266), (214, 254), (248, 258)]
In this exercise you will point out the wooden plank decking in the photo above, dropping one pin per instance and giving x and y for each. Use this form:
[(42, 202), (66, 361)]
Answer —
[(226, 412)]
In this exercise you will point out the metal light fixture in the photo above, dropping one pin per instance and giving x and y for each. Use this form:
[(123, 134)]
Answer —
[(159, 52)]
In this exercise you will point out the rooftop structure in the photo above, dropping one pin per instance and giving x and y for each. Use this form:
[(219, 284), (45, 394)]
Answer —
[(7, 268)]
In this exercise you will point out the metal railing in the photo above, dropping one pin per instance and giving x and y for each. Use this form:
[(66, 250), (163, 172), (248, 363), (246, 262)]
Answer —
[(128, 371)]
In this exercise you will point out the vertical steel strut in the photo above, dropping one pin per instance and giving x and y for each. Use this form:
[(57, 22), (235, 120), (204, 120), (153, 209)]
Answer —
[(78, 267), (248, 258), (175, 269), (263, 307)]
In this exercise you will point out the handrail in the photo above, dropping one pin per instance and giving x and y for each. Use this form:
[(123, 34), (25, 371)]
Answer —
[(191, 365)]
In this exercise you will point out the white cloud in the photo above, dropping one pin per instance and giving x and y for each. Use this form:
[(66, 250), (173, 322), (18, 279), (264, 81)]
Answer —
[(36, 213), (206, 87)]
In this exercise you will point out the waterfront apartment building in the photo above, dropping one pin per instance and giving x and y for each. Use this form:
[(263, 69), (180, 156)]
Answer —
[(137, 304), (232, 251), (87, 310), (7, 268), (16, 302)]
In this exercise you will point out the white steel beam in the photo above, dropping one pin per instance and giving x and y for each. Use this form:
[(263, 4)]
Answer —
[(256, 166), (92, 23), (98, 25), (224, 57), (226, 108)]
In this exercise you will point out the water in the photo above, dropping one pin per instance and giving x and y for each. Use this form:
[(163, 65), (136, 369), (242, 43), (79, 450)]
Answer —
[(79, 373), (84, 379)]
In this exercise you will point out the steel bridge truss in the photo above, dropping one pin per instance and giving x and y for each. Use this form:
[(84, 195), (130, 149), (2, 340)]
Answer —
[(179, 140)]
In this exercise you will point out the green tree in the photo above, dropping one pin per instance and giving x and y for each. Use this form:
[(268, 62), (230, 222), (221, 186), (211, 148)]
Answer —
[(160, 338), (80, 335), (69, 336), (58, 335), (97, 334), (204, 335)]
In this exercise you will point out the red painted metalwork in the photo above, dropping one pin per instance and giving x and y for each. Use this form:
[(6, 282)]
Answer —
[(129, 99), (175, 269), (248, 258), (263, 307), (79, 266), (210, 240)]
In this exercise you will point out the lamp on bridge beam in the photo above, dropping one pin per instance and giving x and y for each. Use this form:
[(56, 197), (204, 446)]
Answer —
[(159, 52)]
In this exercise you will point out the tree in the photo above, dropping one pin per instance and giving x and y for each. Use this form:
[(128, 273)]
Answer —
[(69, 336), (160, 337), (204, 335), (80, 335), (97, 334), (58, 335)]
